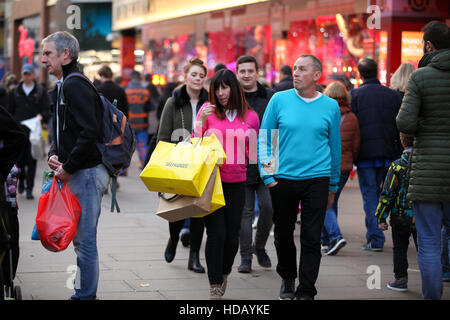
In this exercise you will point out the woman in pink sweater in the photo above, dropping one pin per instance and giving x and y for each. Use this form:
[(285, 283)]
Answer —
[(233, 122)]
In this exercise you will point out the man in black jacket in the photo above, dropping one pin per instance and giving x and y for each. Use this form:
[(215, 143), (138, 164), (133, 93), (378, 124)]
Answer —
[(74, 154), (286, 82), (26, 101), (376, 107), (257, 97), (111, 90)]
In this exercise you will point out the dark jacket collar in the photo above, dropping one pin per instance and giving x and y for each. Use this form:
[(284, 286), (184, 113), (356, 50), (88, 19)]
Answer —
[(261, 91), (70, 68), (371, 81), (19, 88), (287, 79), (182, 98), (428, 57)]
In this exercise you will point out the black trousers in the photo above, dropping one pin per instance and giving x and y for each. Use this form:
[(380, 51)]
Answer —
[(196, 228), (400, 239), (27, 167), (286, 195), (222, 230)]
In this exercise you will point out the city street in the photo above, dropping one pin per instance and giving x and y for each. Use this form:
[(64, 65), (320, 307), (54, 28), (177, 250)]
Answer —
[(132, 266)]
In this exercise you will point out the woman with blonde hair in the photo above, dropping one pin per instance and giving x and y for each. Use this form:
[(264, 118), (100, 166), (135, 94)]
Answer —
[(332, 240), (401, 76)]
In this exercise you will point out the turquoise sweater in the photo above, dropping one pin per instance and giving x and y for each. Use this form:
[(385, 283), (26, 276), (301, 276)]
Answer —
[(308, 143)]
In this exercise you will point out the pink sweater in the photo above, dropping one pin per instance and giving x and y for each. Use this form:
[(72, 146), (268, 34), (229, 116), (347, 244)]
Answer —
[(239, 141)]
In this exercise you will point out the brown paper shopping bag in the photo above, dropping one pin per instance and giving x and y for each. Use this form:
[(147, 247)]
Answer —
[(173, 207)]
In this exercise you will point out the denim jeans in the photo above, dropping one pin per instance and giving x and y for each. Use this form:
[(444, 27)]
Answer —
[(88, 185), (142, 145), (370, 183), (264, 220), (445, 236), (429, 218), (331, 231)]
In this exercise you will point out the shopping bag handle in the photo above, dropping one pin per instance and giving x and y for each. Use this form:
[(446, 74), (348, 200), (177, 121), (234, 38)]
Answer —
[(172, 198)]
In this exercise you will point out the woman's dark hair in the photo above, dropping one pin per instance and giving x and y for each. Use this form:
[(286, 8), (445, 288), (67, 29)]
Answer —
[(236, 101)]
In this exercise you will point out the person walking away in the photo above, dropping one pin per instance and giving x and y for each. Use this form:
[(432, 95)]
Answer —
[(112, 91), (393, 202), (177, 123), (26, 101), (400, 78), (299, 155), (138, 108), (257, 97), (74, 155), (425, 113), (350, 142), (376, 107), (286, 81), (230, 118)]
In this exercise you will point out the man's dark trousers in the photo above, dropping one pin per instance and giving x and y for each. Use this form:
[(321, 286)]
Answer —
[(286, 195)]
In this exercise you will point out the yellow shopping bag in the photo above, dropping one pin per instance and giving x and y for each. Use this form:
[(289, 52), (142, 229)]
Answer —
[(182, 168), (217, 200), (214, 144)]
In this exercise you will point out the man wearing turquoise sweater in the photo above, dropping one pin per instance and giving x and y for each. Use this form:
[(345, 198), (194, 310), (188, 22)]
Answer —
[(299, 155)]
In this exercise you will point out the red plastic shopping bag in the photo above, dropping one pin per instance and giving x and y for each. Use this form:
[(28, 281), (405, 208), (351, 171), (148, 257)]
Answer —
[(57, 217)]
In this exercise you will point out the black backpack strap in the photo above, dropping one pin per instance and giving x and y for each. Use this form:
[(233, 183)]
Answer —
[(113, 194)]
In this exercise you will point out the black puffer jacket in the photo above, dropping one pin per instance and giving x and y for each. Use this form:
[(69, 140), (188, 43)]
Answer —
[(80, 124)]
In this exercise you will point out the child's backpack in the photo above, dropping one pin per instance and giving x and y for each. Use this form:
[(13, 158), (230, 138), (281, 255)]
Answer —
[(119, 140)]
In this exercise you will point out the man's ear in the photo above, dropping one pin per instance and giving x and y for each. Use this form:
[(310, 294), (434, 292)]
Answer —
[(66, 53), (429, 46), (317, 75)]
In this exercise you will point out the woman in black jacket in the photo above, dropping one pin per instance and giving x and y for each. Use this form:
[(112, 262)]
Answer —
[(177, 123)]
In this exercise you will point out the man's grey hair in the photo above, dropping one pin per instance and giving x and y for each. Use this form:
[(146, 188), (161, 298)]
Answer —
[(316, 62), (63, 40)]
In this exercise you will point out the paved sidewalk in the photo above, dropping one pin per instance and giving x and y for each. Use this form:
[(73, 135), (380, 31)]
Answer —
[(132, 266)]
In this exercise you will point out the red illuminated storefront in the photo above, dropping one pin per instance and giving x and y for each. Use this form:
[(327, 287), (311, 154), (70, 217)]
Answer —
[(277, 32)]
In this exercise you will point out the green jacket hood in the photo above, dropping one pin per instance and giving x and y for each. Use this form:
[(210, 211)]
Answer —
[(439, 59)]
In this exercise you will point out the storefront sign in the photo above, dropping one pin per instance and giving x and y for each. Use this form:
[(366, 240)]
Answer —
[(382, 57), (132, 13), (412, 47)]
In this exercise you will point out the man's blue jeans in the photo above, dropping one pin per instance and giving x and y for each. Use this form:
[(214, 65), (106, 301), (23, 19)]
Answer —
[(429, 218), (445, 234), (88, 185), (370, 183)]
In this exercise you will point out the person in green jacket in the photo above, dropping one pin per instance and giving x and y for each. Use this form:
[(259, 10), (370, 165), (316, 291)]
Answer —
[(425, 113)]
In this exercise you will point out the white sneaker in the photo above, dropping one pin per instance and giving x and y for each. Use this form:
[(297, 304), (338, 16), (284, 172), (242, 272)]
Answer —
[(255, 223)]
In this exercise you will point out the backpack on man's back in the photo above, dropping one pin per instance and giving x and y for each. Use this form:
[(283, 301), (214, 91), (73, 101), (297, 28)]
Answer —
[(119, 141)]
